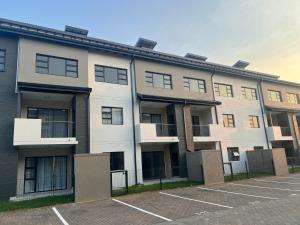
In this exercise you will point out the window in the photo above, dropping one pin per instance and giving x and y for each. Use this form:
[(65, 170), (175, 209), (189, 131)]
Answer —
[(194, 85), (258, 148), (151, 118), (254, 121), (112, 115), (223, 90), (228, 120), (249, 93), (233, 154), (56, 66), (292, 98), (45, 174), (110, 75), (157, 80), (54, 121), (274, 96), (116, 161), (2, 60)]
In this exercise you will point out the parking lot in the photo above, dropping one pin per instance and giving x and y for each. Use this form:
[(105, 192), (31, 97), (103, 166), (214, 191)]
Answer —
[(268, 200)]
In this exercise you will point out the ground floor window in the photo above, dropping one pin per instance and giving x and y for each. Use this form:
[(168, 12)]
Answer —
[(233, 154), (45, 174), (153, 165), (116, 161)]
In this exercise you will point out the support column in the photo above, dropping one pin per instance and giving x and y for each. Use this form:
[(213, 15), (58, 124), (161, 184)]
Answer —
[(294, 131)]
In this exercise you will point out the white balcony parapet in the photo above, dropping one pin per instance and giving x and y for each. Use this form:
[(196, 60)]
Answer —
[(28, 132), (207, 133), (156, 133), (277, 133)]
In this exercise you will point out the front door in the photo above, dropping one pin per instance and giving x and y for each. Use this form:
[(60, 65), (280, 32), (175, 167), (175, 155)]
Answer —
[(153, 165)]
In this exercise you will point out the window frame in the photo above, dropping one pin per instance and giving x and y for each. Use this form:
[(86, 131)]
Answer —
[(4, 60), (187, 81), (252, 123), (289, 94), (47, 67), (270, 97), (231, 157), (111, 115), (122, 163), (118, 74), (227, 86), (35, 173), (233, 121), (254, 95), (150, 83)]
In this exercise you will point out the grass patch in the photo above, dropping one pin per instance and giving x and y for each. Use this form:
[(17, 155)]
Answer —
[(35, 203), (156, 187), (295, 170), (242, 176)]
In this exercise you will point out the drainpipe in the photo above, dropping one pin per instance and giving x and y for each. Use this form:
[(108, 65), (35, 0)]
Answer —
[(133, 98), (262, 103)]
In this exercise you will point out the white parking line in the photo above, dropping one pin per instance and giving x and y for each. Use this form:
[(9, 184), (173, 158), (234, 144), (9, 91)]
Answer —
[(59, 216), (142, 210), (272, 188), (236, 193), (274, 181), (196, 200), (295, 178)]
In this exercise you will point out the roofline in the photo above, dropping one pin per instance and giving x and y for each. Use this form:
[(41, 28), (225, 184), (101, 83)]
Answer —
[(49, 34)]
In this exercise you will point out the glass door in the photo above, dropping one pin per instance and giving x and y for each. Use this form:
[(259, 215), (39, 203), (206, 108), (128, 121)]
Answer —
[(153, 165)]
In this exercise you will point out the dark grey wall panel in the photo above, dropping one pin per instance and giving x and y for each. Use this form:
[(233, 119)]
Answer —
[(8, 111)]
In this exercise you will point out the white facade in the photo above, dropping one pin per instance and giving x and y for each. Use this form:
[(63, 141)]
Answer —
[(242, 135), (111, 138)]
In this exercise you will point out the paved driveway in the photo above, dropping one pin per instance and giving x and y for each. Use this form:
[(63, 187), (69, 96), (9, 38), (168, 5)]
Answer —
[(272, 200)]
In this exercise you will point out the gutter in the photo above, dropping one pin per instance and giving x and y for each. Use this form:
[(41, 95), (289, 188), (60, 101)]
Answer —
[(133, 82)]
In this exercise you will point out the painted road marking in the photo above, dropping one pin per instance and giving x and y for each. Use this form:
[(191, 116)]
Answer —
[(142, 210), (273, 188), (59, 216), (236, 193), (196, 200), (274, 181)]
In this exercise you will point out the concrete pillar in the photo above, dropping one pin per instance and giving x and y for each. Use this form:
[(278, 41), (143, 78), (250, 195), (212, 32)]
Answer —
[(81, 108), (293, 131), (296, 127), (188, 126)]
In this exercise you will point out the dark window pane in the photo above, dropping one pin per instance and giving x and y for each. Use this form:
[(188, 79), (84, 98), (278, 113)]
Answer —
[(116, 161), (57, 66)]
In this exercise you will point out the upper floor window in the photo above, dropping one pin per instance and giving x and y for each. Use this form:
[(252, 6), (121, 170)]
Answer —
[(194, 85), (254, 121), (292, 98), (111, 75), (56, 66), (249, 93), (158, 80), (112, 115), (223, 90), (228, 120), (274, 96), (2, 60)]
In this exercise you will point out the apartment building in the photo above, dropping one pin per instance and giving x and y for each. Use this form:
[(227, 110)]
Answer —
[(282, 111), (65, 93)]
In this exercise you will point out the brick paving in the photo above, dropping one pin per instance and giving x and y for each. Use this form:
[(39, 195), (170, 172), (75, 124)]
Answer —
[(246, 209)]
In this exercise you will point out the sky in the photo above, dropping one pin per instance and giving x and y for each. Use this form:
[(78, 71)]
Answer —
[(265, 33)]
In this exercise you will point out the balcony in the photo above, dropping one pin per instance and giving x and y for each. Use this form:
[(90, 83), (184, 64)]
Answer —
[(207, 133), (277, 133), (156, 133), (34, 132)]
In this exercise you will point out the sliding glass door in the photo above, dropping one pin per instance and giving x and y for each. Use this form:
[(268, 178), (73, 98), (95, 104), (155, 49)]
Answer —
[(153, 165), (54, 121), (45, 174)]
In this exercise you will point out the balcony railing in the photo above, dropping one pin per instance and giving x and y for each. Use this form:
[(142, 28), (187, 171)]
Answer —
[(166, 130), (58, 129), (201, 130), (285, 131)]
